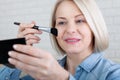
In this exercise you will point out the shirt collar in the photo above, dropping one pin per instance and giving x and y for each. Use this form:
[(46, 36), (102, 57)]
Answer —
[(89, 63), (62, 61)]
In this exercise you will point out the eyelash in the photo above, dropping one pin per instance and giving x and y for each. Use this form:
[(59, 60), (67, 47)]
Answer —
[(61, 23), (80, 21), (77, 21)]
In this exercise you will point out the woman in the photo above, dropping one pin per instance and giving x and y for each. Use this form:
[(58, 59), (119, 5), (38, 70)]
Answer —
[(82, 37)]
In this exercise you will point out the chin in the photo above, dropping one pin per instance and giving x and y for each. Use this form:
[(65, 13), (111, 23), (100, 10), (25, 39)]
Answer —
[(73, 51)]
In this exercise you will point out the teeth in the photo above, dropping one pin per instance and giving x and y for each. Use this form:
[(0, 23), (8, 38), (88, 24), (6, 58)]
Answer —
[(72, 40)]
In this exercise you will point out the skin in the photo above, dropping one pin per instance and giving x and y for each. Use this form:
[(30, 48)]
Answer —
[(26, 31), (75, 38)]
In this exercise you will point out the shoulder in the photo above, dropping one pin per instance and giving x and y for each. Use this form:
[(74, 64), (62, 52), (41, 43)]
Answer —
[(114, 71), (108, 69), (6, 73), (110, 65), (5, 69)]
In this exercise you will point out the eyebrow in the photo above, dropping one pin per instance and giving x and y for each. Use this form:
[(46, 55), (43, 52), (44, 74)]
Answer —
[(60, 18), (65, 18), (79, 15)]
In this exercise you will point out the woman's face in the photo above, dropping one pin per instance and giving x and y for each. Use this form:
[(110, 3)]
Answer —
[(74, 34)]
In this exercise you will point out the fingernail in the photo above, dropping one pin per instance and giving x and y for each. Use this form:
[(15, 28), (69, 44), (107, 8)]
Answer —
[(14, 46), (9, 53), (10, 60), (32, 25)]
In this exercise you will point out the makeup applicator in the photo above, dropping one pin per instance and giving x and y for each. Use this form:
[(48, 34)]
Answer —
[(46, 29)]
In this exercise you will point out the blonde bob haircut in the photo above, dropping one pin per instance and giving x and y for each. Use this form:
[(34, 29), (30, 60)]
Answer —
[(94, 19)]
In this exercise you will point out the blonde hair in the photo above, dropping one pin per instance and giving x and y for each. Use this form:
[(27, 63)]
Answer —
[(94, 19)]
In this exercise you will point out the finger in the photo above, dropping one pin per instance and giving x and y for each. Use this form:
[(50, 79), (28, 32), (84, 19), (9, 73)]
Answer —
[(26, 59), (26, 62), (32, 41), (23, 26), (20, 65), (33, 22), (35, 72), (29, 50), (29, 31), (31, 36)]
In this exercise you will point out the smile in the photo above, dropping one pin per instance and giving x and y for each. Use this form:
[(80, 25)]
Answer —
[(72, 40)]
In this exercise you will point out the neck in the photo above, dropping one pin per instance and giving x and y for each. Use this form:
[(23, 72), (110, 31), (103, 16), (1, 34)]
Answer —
[(73, 60)]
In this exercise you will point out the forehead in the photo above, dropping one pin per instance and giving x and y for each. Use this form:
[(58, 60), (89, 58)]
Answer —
[(67, 8)]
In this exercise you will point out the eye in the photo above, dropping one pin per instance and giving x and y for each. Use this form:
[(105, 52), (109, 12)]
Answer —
[(61, 23), (80, 21)]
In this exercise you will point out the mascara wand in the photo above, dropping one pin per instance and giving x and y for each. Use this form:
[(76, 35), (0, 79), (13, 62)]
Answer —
[(46, 29)]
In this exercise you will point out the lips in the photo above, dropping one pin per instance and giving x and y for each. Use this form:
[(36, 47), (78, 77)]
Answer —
[(72, 40)]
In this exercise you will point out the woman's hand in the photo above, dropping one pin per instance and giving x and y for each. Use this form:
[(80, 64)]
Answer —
[(25, 30), (38, 63)]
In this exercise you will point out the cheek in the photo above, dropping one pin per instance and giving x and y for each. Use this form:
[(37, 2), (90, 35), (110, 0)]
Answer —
[(86, 34), (90, 34), (60, 37), (88, 37), (60, 32), (60, 42)]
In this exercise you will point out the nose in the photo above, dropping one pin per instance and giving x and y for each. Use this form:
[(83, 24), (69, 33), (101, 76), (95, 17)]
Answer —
[(71, 28)]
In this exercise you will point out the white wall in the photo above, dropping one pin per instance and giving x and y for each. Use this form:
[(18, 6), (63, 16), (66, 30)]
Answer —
[(25, 11), (40, 10), (111, 12)]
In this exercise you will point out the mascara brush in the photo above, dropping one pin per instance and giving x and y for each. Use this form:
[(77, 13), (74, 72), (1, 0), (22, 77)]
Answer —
[(46, 29)]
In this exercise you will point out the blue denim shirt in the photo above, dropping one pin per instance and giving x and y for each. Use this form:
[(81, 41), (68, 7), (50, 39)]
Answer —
[(94, 67)]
